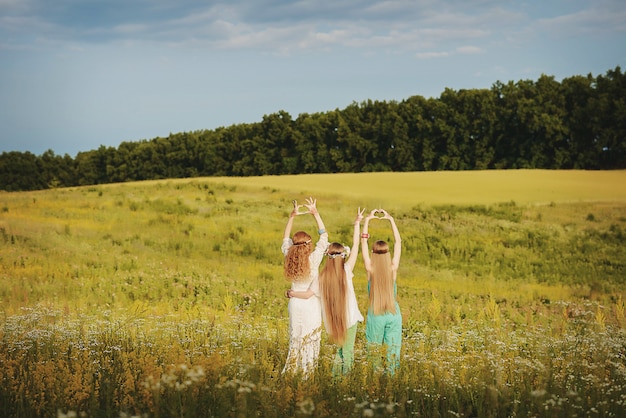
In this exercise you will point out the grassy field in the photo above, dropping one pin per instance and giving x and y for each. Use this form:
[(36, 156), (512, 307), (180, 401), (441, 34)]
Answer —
[(164, 298), (405, 190)]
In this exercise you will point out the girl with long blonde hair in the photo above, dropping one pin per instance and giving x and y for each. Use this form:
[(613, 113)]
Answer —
[(339, 305), (384, 319), (301, 268)]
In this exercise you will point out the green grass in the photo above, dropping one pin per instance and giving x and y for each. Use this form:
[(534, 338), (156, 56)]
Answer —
[(165, 298)]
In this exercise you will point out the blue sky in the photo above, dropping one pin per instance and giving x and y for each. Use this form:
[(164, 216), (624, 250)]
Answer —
[(77, 74)]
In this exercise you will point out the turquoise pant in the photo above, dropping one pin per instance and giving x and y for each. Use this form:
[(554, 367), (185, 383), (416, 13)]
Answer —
[(344, 359), (384, 332)]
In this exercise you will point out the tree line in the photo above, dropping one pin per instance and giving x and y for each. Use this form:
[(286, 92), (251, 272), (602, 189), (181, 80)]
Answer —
[(577, 123)]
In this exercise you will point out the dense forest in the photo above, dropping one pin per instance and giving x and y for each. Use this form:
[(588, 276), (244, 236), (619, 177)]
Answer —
[(578, 123)]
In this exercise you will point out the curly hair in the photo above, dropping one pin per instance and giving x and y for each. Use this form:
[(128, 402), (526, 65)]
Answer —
[(297, 266), (382, 298)]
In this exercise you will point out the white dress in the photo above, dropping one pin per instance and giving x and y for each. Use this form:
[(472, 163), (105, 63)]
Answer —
[(354, 314), (305, 315)]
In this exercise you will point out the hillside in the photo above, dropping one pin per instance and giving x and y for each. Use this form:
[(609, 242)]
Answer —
[(166, 297)]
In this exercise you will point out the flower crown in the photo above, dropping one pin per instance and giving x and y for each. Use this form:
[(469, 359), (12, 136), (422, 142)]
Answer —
[(344, 254)]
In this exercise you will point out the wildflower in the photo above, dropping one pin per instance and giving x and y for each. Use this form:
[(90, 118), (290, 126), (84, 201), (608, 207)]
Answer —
[(538, 393), (307, 406)]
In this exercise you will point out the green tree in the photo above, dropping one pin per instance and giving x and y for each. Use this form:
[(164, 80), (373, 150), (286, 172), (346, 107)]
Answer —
[(512, 138), (415, 112), (610, 118), (56, 170), (21, 171), (578, 96), (277, 153), (548, 125), (440, 128), (91, 166), (472, 118), (308, 135), (355, 140), (395, 137)]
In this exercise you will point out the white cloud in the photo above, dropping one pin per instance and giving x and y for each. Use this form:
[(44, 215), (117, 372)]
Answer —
[(285, 25), (470, 50), (428, 55), (585, 22)]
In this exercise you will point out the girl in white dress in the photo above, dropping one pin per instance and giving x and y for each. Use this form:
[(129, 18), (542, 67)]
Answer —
[(302, 261)]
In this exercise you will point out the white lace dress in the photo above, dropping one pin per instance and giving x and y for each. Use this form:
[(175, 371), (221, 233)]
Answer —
[(305, 315)]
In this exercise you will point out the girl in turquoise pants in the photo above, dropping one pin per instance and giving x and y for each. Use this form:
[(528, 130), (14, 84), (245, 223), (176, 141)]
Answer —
[(383, 329)]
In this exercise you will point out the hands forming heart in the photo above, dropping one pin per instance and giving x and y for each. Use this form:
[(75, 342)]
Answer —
[(379, 214)]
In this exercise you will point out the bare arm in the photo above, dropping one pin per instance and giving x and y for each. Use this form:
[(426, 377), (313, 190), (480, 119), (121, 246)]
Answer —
[(397, 247), (356, 236), (289, 225), (311, 206), (364, 236), (292, 215), (306, 294)]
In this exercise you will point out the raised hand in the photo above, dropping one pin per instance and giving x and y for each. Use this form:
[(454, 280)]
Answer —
[(359, 215), (296, 209), (310, 205), (386, 214), (372, 214)]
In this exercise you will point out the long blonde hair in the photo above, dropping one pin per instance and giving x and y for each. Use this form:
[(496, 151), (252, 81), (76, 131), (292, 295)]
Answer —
[(382, 294), (333, 290), (297, 266)]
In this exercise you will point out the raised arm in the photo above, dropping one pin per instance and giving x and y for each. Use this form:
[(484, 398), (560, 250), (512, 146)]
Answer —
[(292, 215), (354, 251), (364, 236), (397, 246), (311, 206)]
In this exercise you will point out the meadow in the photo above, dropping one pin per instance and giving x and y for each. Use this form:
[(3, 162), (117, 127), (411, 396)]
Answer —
[(165, 298)]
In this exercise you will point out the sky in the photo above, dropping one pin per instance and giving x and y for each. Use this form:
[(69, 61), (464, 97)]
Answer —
[(79, 74)]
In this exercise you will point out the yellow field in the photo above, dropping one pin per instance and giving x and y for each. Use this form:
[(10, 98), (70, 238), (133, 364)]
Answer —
[(456, 187)]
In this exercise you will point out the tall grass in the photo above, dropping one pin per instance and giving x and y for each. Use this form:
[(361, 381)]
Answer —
[(166, 299), (547, 363)]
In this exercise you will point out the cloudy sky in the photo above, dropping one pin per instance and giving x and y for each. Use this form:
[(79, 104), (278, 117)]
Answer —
[(77, 74)]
